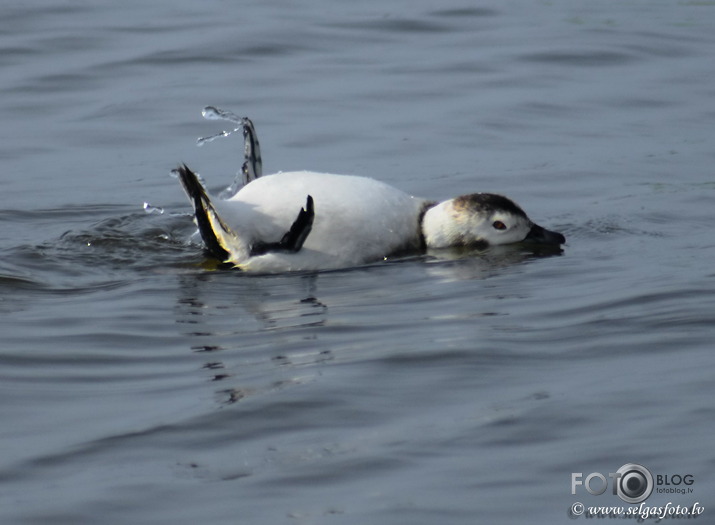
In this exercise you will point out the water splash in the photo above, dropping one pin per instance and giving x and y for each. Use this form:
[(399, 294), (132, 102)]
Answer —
[(243, 124), (154, 210), (230, 191), (214, 113)]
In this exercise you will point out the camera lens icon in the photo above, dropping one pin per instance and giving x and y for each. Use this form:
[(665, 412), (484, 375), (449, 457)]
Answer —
[(635, 483)]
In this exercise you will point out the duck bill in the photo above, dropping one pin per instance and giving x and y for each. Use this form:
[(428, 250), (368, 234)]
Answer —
[(540, 235)]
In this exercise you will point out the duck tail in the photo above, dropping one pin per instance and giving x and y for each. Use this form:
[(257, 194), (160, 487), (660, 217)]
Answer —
[(213, 230)]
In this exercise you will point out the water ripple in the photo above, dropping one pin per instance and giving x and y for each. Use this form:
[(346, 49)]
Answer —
[(584, 58)]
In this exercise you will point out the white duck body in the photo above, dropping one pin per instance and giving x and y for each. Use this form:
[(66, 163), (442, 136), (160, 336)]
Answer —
[(357, 220)]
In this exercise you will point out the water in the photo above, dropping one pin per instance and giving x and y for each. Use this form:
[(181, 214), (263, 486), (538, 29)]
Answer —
[(138, 384)]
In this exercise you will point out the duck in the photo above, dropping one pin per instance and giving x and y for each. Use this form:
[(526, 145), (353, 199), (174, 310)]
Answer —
[(308, 221)]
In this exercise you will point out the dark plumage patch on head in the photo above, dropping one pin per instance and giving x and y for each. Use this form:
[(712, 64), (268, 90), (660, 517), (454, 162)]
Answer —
[(487, 202)]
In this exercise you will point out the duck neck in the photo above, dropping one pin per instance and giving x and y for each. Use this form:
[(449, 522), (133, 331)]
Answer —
[(438, 225)]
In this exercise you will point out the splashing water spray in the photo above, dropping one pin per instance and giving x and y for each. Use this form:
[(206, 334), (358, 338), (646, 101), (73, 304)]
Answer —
[(214, 113)]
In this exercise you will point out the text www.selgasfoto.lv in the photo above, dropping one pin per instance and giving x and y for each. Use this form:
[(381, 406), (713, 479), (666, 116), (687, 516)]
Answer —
[(642, 511)]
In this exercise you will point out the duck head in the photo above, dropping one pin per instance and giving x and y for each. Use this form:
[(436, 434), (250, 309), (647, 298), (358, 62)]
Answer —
[(480, 220)]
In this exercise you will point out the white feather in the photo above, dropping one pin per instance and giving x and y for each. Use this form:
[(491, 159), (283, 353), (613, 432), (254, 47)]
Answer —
[(357, 220)]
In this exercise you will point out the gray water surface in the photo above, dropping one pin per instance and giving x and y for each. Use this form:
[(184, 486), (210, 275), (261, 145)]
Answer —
[(139, 384)]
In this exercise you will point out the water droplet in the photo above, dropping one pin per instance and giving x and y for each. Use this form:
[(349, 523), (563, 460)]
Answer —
[(214, 113), (153, 209), (203, 140), (211, 113), (229, 192)]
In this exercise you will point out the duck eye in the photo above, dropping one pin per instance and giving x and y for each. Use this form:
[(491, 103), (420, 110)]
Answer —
[(499, 225)]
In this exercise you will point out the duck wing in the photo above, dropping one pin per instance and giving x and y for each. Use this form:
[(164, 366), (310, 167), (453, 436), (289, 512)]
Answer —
[(294, 238), (212, 228), (253, 163)]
